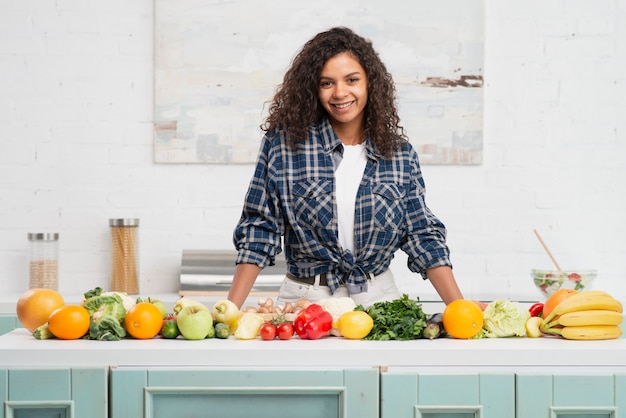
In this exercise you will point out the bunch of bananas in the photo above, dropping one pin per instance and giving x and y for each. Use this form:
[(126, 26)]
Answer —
[(588, 315)]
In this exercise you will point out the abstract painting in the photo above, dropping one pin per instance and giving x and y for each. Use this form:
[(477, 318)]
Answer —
[(218, 63)]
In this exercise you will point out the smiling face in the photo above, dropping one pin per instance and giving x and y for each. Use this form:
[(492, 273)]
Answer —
[(343, 92)]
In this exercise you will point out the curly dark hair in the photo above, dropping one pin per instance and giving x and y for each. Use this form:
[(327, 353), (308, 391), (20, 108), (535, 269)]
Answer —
[(296, 106)]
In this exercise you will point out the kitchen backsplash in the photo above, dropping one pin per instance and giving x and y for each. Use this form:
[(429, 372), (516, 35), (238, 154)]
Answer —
[(76, 150)]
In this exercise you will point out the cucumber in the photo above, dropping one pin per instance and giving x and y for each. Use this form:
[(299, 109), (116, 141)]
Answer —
[(222, 330)]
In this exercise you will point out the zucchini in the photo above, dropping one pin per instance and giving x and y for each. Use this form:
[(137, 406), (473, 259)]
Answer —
[(42, 332)]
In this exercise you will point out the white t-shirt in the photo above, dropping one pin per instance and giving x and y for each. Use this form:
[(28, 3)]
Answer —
[(347, 179)]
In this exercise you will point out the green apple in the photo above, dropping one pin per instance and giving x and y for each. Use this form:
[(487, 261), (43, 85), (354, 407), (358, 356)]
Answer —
[(159, 304), (194, 322)]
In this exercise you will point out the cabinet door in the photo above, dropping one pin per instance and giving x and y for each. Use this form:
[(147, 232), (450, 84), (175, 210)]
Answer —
[(58, 393), (8, 323), (233, 393), (414, 395), (571, 396)]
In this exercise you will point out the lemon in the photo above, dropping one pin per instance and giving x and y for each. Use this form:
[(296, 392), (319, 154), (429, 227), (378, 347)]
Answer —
[(354, 325)]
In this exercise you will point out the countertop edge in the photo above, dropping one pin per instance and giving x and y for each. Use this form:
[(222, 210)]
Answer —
[(19, 349)]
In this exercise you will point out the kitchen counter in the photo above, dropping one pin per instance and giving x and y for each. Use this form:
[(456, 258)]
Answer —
[(493, 378), (19, 348), (502, 377)]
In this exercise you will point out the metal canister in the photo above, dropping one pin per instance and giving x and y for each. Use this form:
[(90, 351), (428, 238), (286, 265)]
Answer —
[(43, 260), (125, 255)]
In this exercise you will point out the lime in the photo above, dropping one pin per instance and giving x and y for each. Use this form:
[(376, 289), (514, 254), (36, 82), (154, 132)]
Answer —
[(169, 329)]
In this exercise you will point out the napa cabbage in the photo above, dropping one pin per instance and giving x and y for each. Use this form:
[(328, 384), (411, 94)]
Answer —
[(504, 318)]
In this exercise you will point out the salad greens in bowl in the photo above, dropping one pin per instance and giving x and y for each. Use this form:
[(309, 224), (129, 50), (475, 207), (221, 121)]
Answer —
[(549, 281)]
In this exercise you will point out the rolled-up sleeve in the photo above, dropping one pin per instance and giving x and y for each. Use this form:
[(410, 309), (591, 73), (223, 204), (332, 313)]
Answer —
[(257, 235), (425, 241)]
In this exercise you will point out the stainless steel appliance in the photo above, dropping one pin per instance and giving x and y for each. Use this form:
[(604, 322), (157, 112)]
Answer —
[(210, 272)]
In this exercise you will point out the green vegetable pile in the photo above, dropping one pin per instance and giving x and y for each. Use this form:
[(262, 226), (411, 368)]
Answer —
[(399, 319)]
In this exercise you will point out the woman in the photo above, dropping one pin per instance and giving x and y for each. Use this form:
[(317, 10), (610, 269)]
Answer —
[(337, 179)]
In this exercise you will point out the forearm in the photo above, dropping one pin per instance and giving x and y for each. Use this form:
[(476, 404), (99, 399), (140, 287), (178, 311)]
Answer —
[(444, 283), (243, 280)]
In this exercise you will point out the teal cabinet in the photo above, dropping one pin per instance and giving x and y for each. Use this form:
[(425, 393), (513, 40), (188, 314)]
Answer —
[(8, 323), (413, 395), (58, 393), (571, 396), (513, 395), (172, 392), (165, 392)]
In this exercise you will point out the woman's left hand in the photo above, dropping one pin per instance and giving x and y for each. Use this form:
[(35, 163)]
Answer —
[(481, 305)]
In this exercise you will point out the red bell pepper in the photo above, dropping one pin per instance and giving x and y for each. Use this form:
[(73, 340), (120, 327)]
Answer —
[(536, 309), (313, 322)]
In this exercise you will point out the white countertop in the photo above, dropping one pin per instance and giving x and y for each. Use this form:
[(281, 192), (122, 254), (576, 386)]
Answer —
[(20, 349)]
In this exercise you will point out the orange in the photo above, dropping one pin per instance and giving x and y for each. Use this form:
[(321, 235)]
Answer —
[(556, 298), (69, 322), (35, 306), (143, 320), (462, 319)]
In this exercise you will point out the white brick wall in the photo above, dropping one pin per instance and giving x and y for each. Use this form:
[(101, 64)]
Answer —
[(76, 149)]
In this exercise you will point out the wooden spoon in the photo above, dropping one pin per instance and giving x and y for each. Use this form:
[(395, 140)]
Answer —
[(545, 247)]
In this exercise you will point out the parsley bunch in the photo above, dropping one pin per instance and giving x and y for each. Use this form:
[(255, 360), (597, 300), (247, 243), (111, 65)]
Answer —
[(399, 319)]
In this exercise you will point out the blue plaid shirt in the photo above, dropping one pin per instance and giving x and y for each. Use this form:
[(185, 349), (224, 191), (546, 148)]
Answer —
[(292, 195)]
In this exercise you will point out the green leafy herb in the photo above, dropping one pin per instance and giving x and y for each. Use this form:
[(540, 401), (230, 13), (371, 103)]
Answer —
[(399, 319)]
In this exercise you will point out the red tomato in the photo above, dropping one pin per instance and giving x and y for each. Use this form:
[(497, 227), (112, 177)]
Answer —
[(575, 277), (285, 331), (268, 331)]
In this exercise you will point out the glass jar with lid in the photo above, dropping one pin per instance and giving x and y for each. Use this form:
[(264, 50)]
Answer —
[(125, 255), (43, 260)]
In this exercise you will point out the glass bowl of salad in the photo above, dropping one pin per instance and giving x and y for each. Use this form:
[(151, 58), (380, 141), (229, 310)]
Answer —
[(549, 281)]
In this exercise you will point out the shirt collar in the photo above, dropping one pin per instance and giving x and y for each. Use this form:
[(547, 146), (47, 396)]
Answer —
[(332, 143)]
